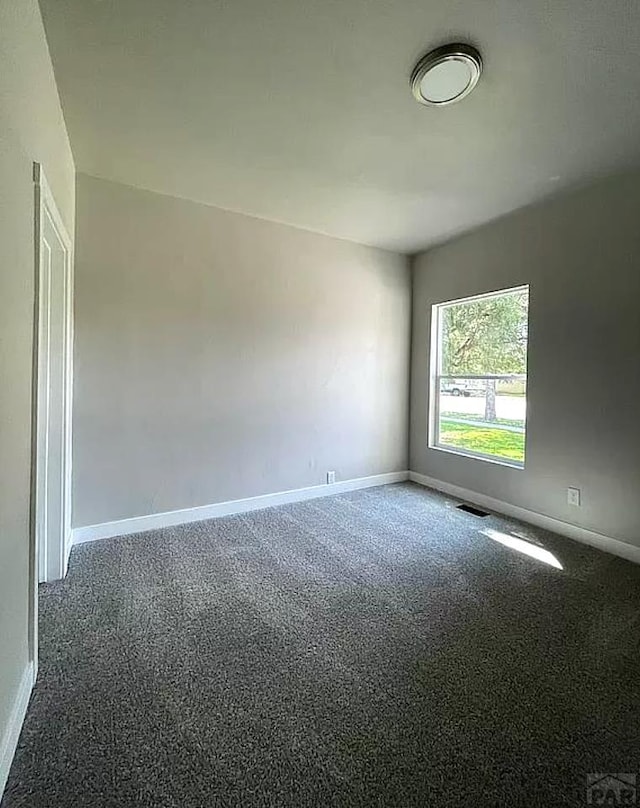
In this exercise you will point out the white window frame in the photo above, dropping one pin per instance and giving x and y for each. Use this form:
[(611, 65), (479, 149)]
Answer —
[(436, 376)]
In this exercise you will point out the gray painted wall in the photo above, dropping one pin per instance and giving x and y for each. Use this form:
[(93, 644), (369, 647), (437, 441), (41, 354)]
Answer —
[(219, 356), (581, 256), (31, 128)]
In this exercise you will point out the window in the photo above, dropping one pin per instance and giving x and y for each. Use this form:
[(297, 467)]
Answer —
[(479, 376)]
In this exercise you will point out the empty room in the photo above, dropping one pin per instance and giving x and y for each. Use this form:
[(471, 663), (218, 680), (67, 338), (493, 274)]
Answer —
[(319, 403)]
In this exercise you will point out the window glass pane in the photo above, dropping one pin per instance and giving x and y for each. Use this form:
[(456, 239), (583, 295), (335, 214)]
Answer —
[(485, 336), (480, 338), (484, 417)]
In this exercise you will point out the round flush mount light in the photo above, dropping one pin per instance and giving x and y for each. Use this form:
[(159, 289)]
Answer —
[(446, 75)]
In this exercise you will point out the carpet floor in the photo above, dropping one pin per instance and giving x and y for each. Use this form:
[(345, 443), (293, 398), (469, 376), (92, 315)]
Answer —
[(369, 649)]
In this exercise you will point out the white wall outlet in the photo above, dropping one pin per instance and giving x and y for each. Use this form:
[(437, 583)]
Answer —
[(331, 477), (573, 497)]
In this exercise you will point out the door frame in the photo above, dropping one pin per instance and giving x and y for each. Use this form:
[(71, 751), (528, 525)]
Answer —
[(45, 206)]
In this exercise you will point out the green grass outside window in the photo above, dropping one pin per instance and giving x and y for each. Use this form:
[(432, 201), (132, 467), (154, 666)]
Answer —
[(499, 443)]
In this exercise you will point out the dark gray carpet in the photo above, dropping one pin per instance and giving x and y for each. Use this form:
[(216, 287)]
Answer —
[(368, 649)]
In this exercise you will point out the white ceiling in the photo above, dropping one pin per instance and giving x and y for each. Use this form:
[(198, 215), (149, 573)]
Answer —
[(300, 110)]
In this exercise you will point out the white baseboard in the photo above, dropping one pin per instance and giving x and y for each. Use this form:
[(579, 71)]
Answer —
[(138, 524), (581, 534), (16, 719)]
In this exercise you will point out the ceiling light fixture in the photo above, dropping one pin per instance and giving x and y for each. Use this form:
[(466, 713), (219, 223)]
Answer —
[(446, 75)]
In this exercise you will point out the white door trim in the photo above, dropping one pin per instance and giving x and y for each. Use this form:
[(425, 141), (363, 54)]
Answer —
[(45, 205)]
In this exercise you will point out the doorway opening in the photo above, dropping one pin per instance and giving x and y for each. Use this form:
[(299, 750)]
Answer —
[(51, 500)]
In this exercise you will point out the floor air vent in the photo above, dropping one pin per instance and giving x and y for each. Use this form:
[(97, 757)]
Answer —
[(471, 509)]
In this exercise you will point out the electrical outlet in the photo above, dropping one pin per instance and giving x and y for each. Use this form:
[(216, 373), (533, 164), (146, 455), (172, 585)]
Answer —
[(573, 497), (331, 477)]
